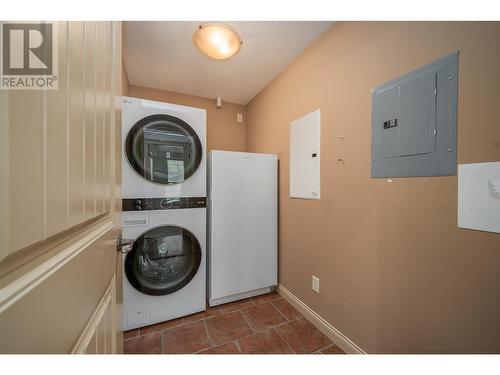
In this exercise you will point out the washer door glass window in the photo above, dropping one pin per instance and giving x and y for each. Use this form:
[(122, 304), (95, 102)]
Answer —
[(163, 149), (163, 260)]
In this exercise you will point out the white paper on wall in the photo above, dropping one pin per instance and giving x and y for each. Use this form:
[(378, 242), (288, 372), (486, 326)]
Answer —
[(479, 196)]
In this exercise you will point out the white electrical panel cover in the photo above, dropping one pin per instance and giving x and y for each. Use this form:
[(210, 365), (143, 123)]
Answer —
[(479, 196), (305, 156)]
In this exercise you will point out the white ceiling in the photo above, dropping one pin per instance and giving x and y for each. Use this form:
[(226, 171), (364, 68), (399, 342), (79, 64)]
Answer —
[(162, 55)]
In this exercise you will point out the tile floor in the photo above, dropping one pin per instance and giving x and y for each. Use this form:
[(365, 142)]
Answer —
[(266, 324)]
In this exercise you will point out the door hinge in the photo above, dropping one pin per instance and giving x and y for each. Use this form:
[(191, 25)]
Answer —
[(123, 246)]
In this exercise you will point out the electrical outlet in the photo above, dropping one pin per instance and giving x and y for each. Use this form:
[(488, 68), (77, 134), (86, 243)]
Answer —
[(315, 284)]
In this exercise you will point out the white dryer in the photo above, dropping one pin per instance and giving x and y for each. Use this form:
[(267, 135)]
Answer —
[(164, 150), (164, 275)]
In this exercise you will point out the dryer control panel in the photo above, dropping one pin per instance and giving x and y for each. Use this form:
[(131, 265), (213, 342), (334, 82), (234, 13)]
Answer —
[(143, 204)]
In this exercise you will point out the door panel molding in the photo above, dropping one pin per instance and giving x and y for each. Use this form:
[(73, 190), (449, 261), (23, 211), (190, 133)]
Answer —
[(25, 260), (99, 325), (63, 181), (11, 293)]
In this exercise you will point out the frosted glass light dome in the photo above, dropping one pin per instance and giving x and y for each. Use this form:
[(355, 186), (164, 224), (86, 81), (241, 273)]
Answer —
[(217, 41)]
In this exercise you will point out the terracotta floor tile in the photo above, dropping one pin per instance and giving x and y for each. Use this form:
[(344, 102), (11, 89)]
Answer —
[(332, 349), (303, 337), (264, 342), (286, 309), (130, 334), (210, 311), (227, 327), (228, 348), (185, 339), (161, 326), (148, 344), (236, 305), (265, 298), (263, 316)]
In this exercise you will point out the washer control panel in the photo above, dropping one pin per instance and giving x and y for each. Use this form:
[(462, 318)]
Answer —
[(143, 204)]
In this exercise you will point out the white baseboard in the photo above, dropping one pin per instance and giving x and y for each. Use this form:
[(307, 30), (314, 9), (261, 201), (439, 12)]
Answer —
[(342, 341)]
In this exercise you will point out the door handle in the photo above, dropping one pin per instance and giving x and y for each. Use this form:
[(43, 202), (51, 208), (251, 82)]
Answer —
[(123, 246)]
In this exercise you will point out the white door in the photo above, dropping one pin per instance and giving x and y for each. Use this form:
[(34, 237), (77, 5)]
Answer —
[(60, 201)]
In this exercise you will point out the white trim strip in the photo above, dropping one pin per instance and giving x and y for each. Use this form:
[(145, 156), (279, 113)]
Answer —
[(13, 292), (44, 164), (330, 331), (236, 297), (90, 329), (67, 127)]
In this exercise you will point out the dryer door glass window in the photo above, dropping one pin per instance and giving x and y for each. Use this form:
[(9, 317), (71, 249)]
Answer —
[(163, 260), (163, 149)]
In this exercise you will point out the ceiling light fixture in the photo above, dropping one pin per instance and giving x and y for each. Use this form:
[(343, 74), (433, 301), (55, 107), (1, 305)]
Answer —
[(217, 41)]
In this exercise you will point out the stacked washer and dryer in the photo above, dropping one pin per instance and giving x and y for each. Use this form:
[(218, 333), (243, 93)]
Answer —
[(164, 211)]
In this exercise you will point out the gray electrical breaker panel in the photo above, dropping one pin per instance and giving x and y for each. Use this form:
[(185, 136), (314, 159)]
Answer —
[(414, 122)]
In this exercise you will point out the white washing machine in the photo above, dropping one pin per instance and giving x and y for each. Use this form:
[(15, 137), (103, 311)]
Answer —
[(164, 275), (164, 150), (164, 211)]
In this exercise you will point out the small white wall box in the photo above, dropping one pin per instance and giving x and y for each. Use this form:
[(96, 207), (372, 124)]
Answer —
[(479, 196), (305, 135)]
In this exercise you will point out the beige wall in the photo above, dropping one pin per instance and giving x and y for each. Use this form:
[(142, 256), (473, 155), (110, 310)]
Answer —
[(223, 131), (396, 273)]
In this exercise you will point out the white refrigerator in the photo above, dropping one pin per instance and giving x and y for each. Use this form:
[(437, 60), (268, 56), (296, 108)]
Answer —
[(242, 225)]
